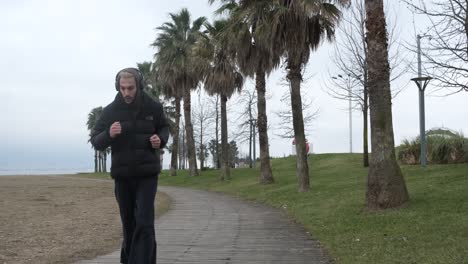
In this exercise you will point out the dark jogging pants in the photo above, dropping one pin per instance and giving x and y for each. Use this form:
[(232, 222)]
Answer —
[(136, 203)]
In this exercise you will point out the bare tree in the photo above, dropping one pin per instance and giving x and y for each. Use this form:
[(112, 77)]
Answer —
[(446, 52), (247, 127), (350, 82), (203, 118)]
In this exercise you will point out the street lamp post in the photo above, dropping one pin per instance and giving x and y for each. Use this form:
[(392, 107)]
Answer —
[(347, 80), (422, 83), (350, 120)]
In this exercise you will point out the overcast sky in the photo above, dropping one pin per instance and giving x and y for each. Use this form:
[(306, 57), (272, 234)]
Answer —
[(59, 59)]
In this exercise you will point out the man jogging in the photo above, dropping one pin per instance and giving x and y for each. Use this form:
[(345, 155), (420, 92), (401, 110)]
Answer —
[(135, 127)]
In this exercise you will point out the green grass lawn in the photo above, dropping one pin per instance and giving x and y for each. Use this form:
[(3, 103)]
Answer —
[(432, 228)]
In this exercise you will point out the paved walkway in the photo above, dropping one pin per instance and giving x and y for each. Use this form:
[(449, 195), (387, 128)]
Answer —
[(208, 228)]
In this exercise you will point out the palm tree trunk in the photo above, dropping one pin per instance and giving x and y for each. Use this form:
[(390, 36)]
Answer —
[(175, 138), (201, 147), (254, 146), (104, 161), (266, 176), (218, 163), (192, 159), (250, 141), (302, 168), (161, 157), (182, 149), (99, 162), (365, 114), (365, 109), (225, 171), (95, 161), (386, 187)]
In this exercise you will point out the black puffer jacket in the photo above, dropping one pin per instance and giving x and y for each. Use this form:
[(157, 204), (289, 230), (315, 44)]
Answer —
[(132, 153)]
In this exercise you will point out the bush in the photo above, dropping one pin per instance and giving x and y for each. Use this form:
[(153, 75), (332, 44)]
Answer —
[(443, 147)]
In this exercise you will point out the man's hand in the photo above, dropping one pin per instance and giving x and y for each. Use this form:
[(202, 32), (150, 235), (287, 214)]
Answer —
[(155, 141), (115, 130)]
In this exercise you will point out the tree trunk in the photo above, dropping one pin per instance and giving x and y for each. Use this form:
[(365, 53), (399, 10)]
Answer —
[(175, 138), (250, 135), (96, 161), (99, 162), (192, 159), (104, 161), (218, 163), (365, 110), (161, 157), (254, 146), (225, 171), (386, 187), (202, 158), (365, 115), (202, 155), (302, 168), (182, 150), (266, 176)]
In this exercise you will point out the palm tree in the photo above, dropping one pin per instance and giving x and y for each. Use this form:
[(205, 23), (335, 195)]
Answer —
[(102, 157), (146, 69), (255, 60), (93, 117), (290, 29), (299, 27), (221, 77), (174, 44), (155, 89), (169, 91), (386, 187)]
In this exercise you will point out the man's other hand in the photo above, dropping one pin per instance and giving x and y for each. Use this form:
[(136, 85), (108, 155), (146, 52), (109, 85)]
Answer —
[(115, 130), (155, 141)]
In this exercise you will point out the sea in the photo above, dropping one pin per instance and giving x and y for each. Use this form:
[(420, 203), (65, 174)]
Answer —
[(43, 171)]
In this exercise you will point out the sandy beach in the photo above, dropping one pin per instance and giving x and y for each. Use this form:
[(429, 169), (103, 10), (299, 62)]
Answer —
[(59, 219)]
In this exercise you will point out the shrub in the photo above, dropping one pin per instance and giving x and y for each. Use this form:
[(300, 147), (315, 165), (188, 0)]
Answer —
[(443, 147)]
